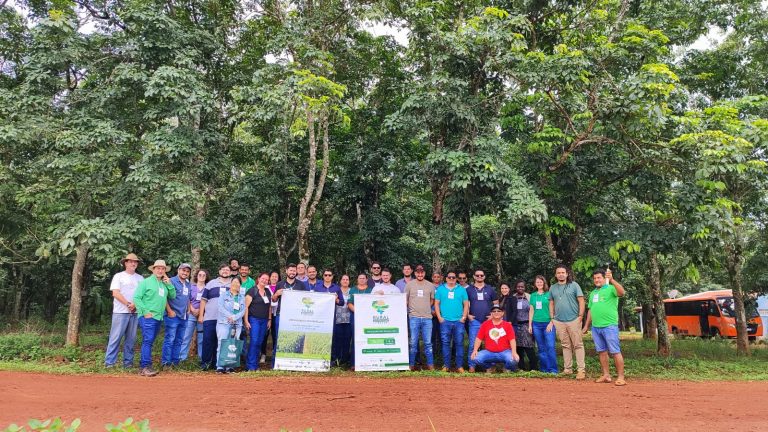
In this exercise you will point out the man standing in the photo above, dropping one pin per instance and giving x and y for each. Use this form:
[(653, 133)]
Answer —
[(452, 308), (375, 274), (246, 281), (301, 272), (499, 341), (291, 283), (234, 266), (566, 306), (175, 319), (312, 283), (327, 286), (604, 316), (386, 287), (124, 319), (407, 277), (481, 298), (209, 314), (151, 299), (461, 279), (437, 278), (420, 297)]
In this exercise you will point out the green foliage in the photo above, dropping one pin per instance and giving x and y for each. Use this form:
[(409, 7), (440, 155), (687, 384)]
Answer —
[(20, 346), (51, 425)]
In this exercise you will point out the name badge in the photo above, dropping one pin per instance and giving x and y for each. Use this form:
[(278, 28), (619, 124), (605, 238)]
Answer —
[(222, 290), (502, 332), (538, 305), (185, 291), (450, 295), (595, 298), (480, 296), (161, 292), (265, 299), (199, 296), (519, 304), (235, 306), (419, 293)]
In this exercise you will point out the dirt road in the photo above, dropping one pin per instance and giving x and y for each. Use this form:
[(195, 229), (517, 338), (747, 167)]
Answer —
[(196, 402)]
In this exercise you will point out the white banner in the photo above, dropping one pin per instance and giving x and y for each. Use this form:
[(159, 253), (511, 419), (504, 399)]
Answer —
[(305, 332), (381, 332)]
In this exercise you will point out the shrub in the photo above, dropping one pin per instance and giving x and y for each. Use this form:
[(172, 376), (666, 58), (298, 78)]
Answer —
[(21, 346)]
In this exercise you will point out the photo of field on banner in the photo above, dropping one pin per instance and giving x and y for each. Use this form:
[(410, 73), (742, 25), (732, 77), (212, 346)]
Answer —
[(381, 332), (305, 331)]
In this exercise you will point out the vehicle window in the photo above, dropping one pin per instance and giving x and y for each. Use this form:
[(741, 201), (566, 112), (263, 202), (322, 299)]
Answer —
[(713, 309), (726, 306)]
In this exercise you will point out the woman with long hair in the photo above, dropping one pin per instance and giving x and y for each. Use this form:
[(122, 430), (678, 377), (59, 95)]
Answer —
[(342, 328), (542, 327), (504, 301), (193, 327), (258, 306)]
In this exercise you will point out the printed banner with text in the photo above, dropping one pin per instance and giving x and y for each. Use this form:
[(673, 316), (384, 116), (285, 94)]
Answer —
[(381, 332), (305, 331)]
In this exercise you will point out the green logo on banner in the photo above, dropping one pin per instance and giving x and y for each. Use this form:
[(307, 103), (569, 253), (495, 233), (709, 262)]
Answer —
[(308, 303), (380, 306)]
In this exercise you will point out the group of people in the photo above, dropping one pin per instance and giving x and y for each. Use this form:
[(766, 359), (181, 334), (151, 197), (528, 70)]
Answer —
[(509, 324)]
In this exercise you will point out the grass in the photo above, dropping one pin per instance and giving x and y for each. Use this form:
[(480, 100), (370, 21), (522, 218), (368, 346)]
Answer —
[(692, 359)]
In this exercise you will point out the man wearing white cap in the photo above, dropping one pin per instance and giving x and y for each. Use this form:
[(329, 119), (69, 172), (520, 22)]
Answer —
[(151, 299), (124, 320)]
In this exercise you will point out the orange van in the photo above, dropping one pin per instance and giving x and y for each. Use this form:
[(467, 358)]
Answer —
[(708, 313)]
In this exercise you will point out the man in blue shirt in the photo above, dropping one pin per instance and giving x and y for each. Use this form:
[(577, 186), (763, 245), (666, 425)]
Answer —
[(451, 308), (482, 298), (175, 318)]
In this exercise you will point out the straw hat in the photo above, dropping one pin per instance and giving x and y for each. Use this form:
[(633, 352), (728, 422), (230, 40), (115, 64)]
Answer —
[(158, 263), (130, 257)]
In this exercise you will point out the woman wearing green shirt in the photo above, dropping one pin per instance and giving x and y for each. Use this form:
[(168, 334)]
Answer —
[(542, 327)]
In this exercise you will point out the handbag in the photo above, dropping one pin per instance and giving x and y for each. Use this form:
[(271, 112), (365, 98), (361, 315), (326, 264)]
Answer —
[(230, 350)]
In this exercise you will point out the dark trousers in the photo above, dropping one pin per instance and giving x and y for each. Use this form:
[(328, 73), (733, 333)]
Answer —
[(210, 344), (533, 361), (342, 344)]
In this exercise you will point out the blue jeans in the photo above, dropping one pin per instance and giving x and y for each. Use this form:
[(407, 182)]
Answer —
[(420, 327), (545, 341), (224, 331), (191, 328), (258, 333), (174, 335), (210, 344), (150, 327), (342, 343), (452, 330), (474, 329), (488, 359), (123, 325), (275, 328)]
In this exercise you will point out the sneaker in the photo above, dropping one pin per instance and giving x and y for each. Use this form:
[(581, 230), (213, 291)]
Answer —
[(567, 372), (147, 372), (110, 366), (581, 375), (220, 370), (444, 369), (460, 370)]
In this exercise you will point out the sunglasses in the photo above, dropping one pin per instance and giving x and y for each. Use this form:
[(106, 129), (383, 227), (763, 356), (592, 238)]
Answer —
[(376, 268), (479, 276), (450, 277), (327, 275)]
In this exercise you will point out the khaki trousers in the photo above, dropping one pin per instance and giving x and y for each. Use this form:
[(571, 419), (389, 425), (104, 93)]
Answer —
[(569, 334)]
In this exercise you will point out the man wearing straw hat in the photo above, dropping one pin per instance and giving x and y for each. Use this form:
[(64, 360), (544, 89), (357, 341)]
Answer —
[(151, 299), (124, 320)]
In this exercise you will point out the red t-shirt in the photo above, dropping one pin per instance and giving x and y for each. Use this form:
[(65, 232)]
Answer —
[(497, 338)]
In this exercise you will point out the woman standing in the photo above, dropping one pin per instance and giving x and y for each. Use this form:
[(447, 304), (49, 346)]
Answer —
[(542, 326), (274, 278), (343, 327), (504, 300), (520, 320), (258, 305), (194, 327), (231, 306)]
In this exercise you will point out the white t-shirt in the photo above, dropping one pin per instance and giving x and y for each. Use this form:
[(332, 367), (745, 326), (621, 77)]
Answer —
[(126, 284), (383, 288)]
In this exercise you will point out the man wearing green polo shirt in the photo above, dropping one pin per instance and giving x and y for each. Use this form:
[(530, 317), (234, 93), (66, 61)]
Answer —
[(150, 299), (604, 315), (246, 283)]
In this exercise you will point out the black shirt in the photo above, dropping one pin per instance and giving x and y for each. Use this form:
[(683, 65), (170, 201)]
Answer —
[(259, 308), (297, 285)]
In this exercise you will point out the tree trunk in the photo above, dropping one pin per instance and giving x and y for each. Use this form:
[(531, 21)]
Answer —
[(196, 260), (367, 246), (439, 193), (466, 220), (649, 320), (76, 300), (550, 245), (733, 258), (498, 241), (314, 188), (662, 345)]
